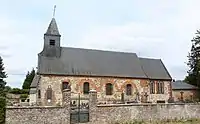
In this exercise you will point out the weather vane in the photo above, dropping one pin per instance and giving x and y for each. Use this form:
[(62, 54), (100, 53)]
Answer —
[(54, 10)]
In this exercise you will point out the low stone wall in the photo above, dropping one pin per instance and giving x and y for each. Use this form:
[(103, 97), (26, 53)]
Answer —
[(41, 115), (101, 114), (122, 113), (37, 115)]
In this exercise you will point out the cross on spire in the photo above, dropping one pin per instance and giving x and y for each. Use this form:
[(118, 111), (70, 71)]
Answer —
[(54, 11)]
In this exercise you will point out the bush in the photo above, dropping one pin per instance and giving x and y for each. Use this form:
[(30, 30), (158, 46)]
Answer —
[(19, 91), (15, 91), (23, 96), (2, 110)]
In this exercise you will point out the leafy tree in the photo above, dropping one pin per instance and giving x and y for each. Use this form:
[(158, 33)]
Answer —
[(194, 62), (7, 89), (2, 92), (28, 79)]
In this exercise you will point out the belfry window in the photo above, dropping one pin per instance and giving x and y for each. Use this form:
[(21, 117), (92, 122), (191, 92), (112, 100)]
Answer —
[(128, 89), (52, 42), (109, 89), (86, 88)]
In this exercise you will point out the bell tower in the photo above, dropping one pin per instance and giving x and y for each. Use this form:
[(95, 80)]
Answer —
[(52, 40)]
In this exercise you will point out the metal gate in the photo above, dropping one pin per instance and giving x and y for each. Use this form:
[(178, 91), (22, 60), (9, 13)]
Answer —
[(79, 109)]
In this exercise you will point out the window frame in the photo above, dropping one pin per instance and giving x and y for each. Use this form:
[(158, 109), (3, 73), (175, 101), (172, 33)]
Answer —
[(160, 87), (63, 85), (86, 87), (128, 89), (109, 89), (152, 87)]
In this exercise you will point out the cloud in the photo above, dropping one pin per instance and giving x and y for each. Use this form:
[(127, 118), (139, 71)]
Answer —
[(156, 29)]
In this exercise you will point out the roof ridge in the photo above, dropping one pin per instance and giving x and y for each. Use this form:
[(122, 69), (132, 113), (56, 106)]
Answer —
[(99, 50)]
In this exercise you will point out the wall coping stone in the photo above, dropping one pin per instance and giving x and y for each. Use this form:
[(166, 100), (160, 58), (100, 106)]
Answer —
[(33, 107), (145, 104)]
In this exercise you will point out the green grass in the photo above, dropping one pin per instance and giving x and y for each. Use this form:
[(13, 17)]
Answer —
[(175, 121)]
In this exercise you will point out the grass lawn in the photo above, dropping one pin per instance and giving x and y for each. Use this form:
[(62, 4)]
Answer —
[(188, 121)]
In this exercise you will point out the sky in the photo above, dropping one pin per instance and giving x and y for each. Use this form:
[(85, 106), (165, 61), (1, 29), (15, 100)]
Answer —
[(153, 29)]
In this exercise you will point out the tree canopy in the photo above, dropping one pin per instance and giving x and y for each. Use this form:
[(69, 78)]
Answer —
[(194, 62), (2, 92), (28, 80)]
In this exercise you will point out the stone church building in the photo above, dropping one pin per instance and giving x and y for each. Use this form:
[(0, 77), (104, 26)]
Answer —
[(111, 74)]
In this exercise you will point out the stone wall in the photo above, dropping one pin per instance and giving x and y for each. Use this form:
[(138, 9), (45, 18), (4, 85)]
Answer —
[(36, 115), (123, 113), (104, 114), (40, 115), (98, 84), (101, 114)]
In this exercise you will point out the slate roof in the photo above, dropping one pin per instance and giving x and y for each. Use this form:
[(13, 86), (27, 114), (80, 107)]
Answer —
[(35, 81), (180, 85), (154, 69), (52, 29), (87, 62)]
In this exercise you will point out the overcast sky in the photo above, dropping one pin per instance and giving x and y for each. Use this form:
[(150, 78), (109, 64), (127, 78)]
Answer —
[(153, 28)]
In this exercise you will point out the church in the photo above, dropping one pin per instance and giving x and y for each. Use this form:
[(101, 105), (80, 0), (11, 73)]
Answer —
[(110, 73)]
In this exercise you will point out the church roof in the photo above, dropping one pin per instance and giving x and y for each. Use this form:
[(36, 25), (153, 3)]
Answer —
[(87, 62), (181, 85), (154, 68), (53, 28), (35, 81)]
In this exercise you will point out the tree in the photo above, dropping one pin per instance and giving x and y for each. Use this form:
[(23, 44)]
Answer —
[(28, 80), (194, 62), (2, 92)]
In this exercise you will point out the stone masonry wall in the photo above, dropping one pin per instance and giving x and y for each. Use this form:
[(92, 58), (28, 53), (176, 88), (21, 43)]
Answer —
[(40, 115), (101, 114), (123, 113), (36, 115), (98, 84), (105, 114)]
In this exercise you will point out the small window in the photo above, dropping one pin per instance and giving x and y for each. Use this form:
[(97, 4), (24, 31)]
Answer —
[(128, 89), (65, 85), (52, 42), (49, 93), (109, 89), (86, 88), (39, 94), (152, 87)]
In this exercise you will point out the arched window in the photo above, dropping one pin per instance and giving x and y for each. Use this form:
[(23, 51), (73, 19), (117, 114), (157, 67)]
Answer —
[(152, 87), (160, 87), (49, 93), (109, 89), (128, 89), (86, 88), (65, 85)]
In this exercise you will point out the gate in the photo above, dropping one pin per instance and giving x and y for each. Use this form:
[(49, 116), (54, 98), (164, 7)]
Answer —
[(79, 109)]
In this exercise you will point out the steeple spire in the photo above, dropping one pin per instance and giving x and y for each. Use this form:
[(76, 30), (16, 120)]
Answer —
[(53, 28)]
